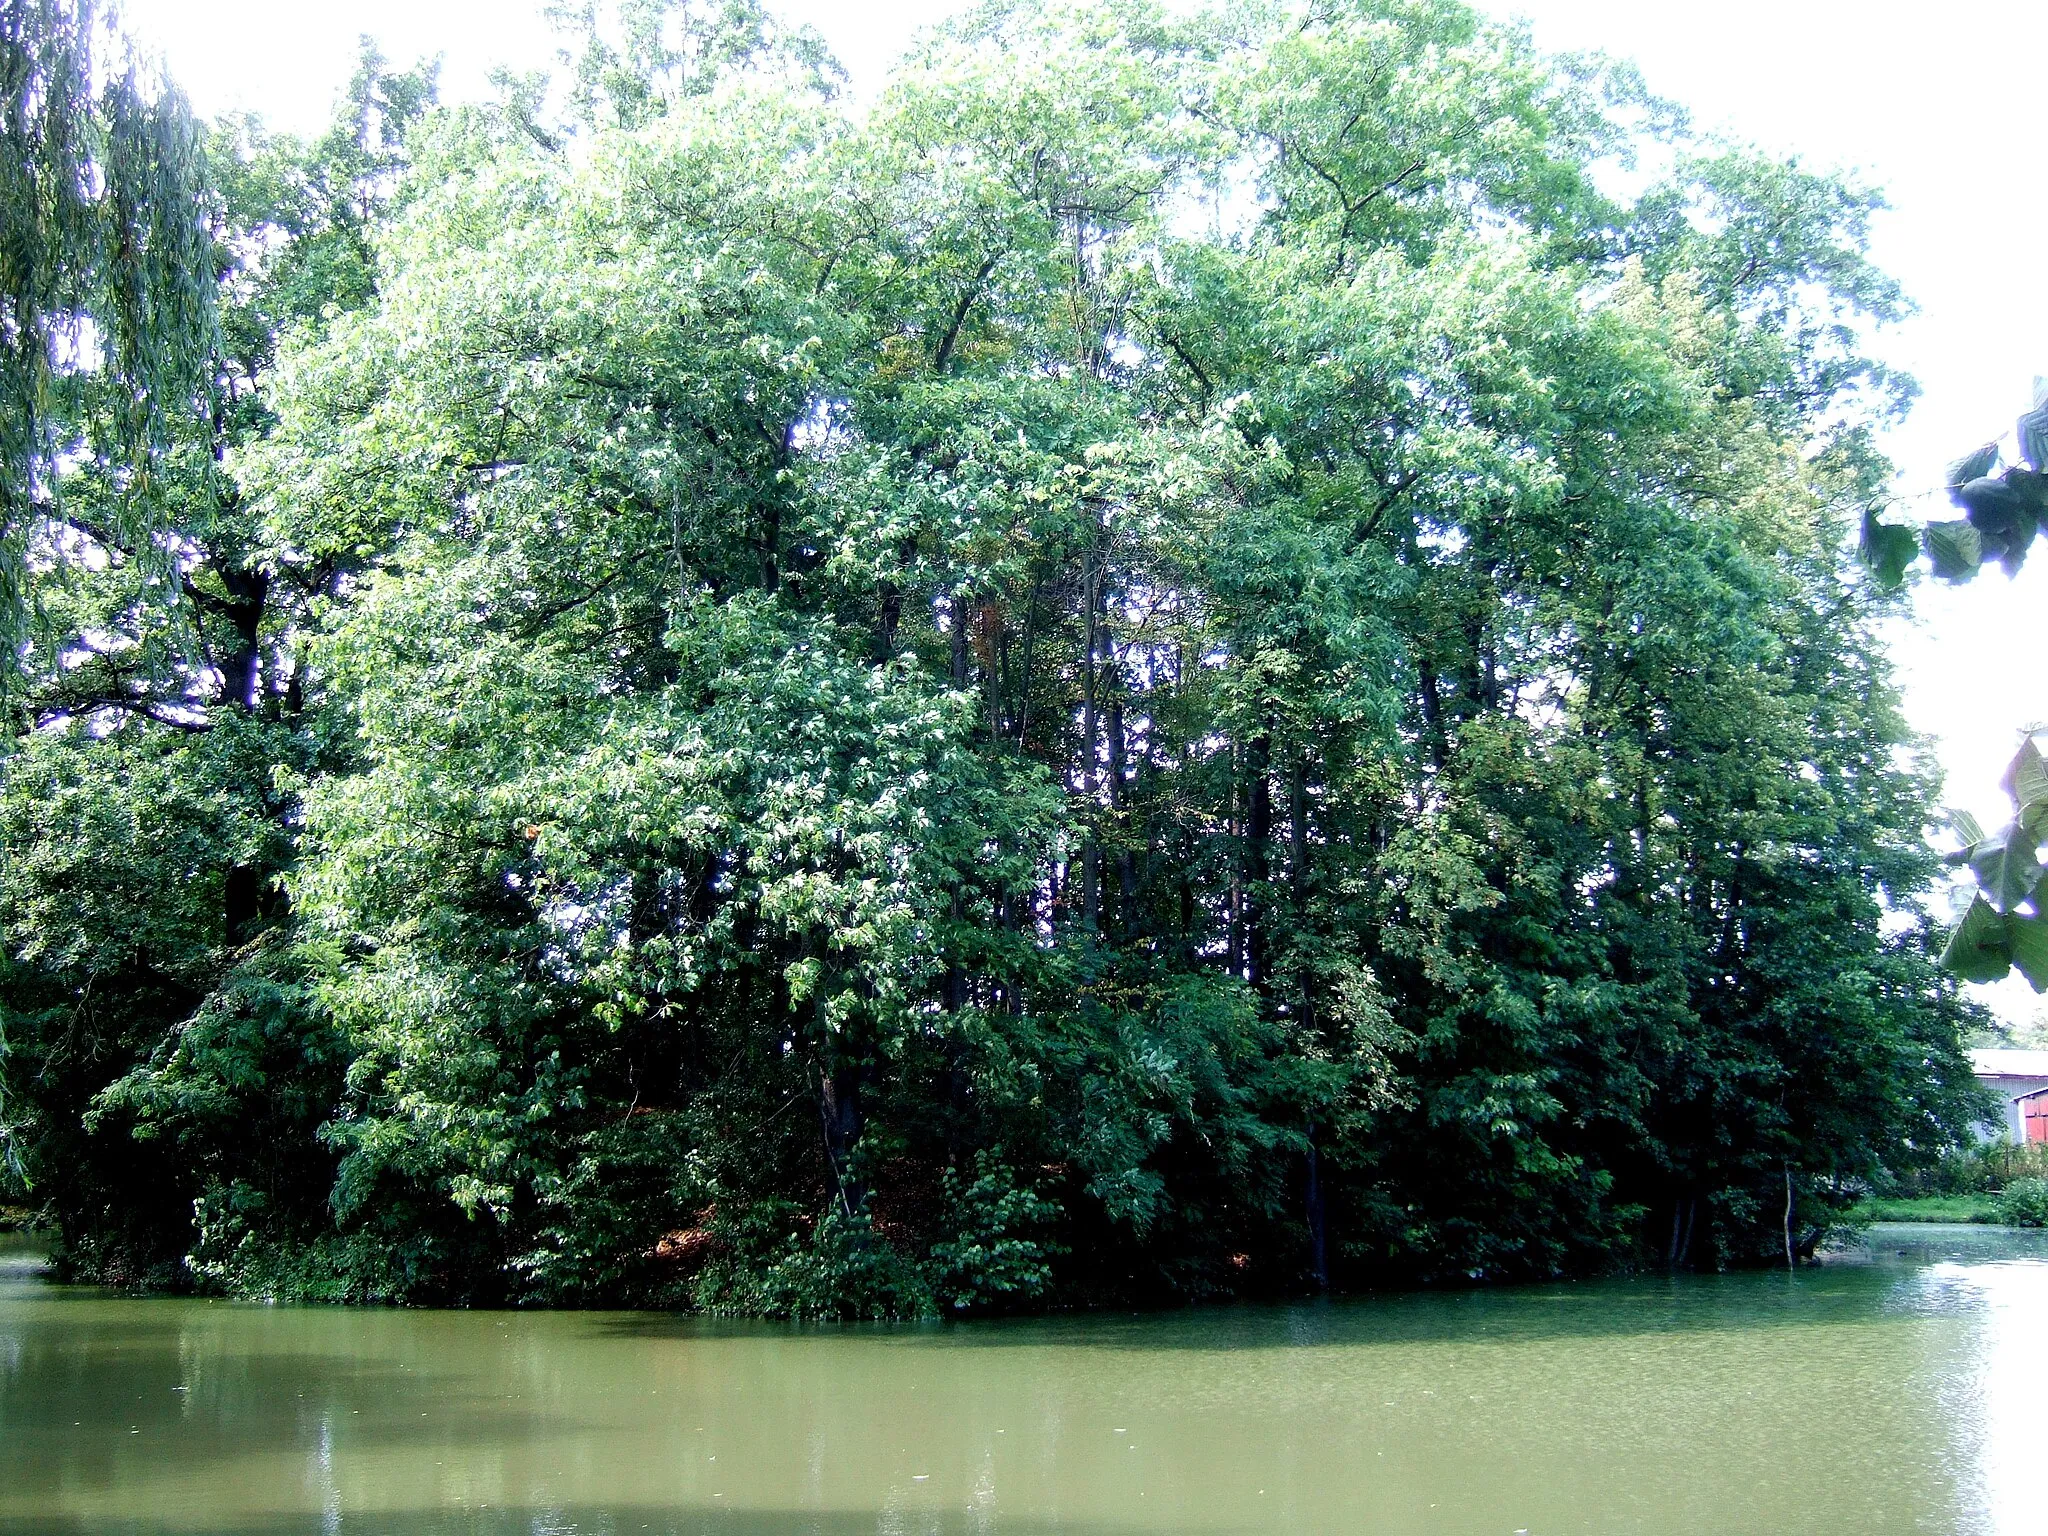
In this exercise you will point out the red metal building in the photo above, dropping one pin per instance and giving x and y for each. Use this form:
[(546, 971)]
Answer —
[(2033, 1108)]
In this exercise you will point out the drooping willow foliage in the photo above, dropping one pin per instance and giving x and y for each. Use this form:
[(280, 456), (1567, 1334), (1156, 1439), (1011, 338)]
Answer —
[(1176, 661), (106, 283)]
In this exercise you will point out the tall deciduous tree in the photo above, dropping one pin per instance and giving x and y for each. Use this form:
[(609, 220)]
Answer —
[(1176, 661)]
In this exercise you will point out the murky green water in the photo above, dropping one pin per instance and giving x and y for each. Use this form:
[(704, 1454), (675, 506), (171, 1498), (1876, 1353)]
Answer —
[(1901, 1388)]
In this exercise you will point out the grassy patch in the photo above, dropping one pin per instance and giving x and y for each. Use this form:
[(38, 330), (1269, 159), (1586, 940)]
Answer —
[(1956, 1208)]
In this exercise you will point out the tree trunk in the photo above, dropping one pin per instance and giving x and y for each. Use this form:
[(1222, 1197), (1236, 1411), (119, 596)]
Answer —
[(241, 672), (1318, 1220), (1091, 777), (1683, 1210), (243, 903), (1128, 915), (839, 1111), (1297, 832), (1258, 832), (771, 547), (1788, 1217), (888, 615), (1022, 689), (1433, 717)]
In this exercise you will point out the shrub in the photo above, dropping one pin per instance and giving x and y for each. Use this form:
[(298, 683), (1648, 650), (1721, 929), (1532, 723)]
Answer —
[(2024, 1203), (998, 1257), (1978, 1170), (846, 1272)]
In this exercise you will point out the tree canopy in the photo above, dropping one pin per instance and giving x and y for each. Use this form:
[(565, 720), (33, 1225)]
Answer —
[(1179, 660), (105, 286)]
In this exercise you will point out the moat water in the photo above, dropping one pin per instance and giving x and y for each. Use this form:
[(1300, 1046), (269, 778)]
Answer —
[(1901, 1386)]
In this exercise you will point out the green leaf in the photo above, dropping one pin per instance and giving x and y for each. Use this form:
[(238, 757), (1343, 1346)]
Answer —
[(1972, 465), (1956, 549), (1979, 949), (2031, 489), (1888, 549), (2026, 780), (2033, 436), (1965, 826), (2003, 514), (2006, 867), (2027, 939)]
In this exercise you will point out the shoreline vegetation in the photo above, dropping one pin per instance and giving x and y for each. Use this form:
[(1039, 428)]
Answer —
[(1999, 1182), (1942, 1209), (1176, 660)]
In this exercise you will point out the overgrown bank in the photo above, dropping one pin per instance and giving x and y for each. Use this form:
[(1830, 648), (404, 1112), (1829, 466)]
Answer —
[(1997, 1181), (1178, 662)]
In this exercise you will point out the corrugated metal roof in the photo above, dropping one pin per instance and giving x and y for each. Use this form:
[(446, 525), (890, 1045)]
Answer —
[(2009, 1063)]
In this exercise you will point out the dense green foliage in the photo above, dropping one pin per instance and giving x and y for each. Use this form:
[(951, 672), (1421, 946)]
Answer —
[(1983, 1167), (1178, 661), (2024, 1203), (106, 295)]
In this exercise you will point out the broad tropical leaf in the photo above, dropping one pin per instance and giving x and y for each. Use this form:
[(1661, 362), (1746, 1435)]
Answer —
[(1979, 949), (1966, 827), (2006, 867), (2027, 938), (2026, 780)]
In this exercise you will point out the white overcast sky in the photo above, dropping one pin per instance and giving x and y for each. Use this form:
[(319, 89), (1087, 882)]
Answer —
[(1939, 104)]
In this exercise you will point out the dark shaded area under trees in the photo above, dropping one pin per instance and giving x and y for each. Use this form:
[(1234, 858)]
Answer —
[(1177, 662)]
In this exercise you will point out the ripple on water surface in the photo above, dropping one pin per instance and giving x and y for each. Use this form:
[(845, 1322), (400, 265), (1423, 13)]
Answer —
[(1893, 1388)]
